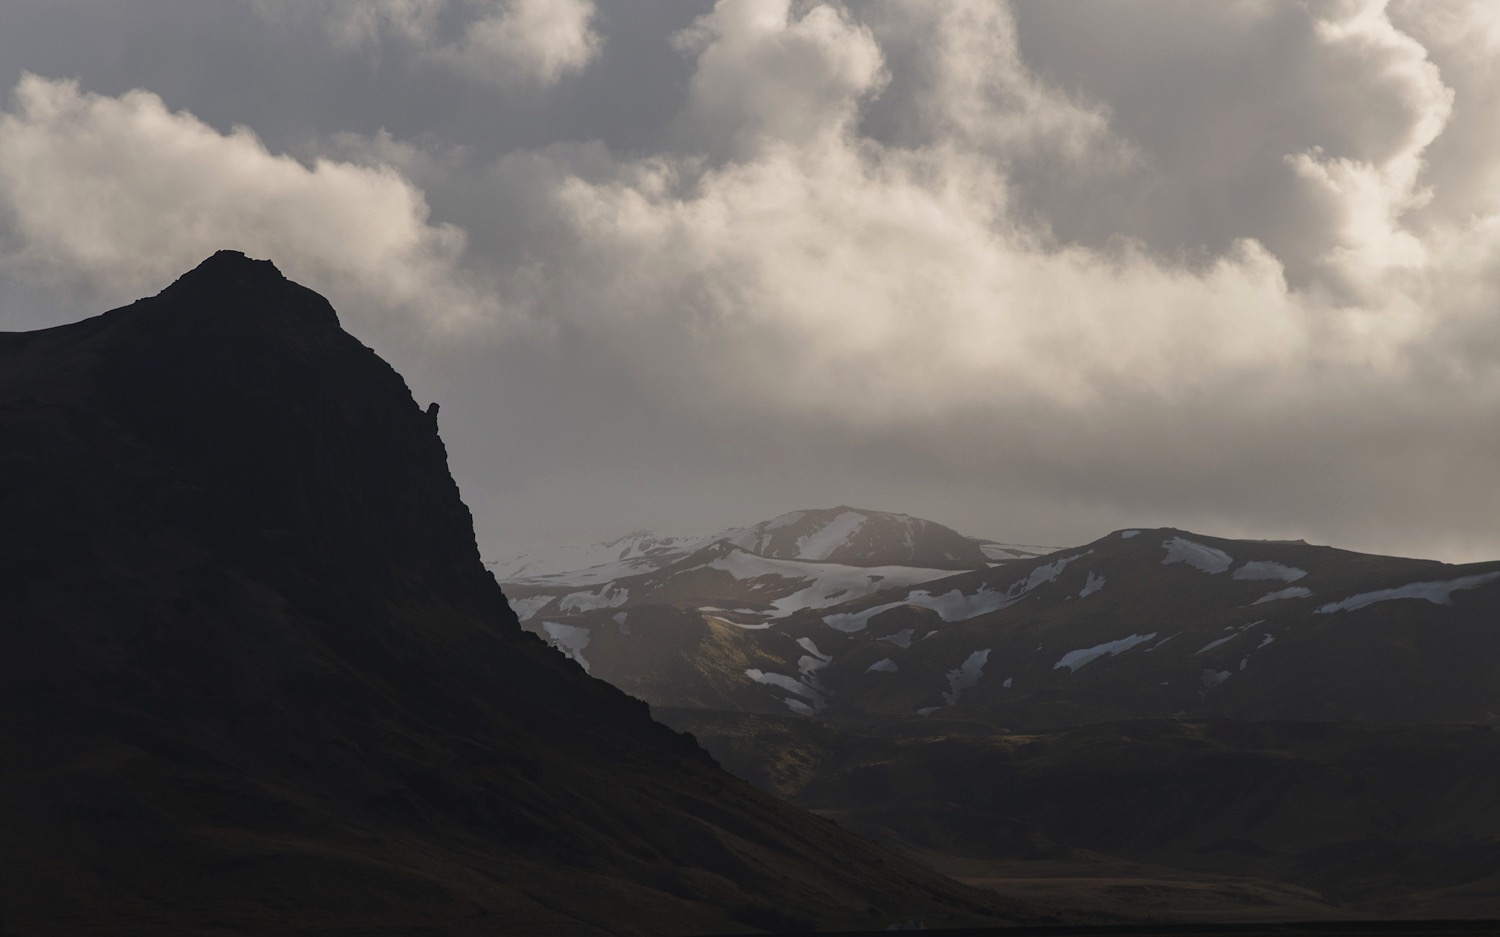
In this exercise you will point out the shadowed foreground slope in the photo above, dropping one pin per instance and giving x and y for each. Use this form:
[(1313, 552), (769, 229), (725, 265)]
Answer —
[(256, 678)]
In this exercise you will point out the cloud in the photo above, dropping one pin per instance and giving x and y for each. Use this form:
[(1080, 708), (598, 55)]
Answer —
[(958, 75), (355, 24), (805, 258), (504, 43), (768, 78), (528, 42), (120, 194), (791, 260), (1370, 192), (1228, 265)]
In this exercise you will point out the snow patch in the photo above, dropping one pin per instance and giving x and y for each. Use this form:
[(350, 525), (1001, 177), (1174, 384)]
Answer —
[(620, 622), (607, 597), (956, 605), (527, 607), (850, 622), (884, 665), (807, 665), (1127, 534), (630, 555), (570, 639), (965, 675), (1003, 552), (811, 647), (1008, 682), (782, 681), (821, 544), (1074, 660), (825, 583), (756, 539), (1293, 592), (1213, 644), (1196, 555), (901, 638), (1094, 583), (1264, 569), (1438, 593)]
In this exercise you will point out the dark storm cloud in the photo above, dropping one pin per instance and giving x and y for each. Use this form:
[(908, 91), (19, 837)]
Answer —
[(1034, 272)]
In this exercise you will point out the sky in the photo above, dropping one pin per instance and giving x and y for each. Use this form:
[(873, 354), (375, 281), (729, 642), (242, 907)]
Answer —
[(1036, 271)]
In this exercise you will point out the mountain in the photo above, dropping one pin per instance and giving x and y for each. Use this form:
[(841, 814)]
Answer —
[(1141, 623), (1314, 724), (256, 678), (714, 605)]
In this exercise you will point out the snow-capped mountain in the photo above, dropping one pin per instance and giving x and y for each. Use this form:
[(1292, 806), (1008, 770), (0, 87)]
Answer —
[(1139, 623), (1306, 717), (1164, 622), (635, 552), (853, 537), (802, 559)]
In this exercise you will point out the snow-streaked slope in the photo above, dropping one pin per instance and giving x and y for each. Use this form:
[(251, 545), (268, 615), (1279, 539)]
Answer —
[(957, 604), (1073, 660), (817, 585), (1204, 558), (629, 555), (1128, 626), (1438, 593)]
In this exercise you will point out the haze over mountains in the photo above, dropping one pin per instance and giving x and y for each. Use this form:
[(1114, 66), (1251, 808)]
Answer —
[(257, 680), (1004, 710), (854, 612)]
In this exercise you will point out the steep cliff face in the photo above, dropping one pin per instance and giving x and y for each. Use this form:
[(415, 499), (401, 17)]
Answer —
[(257, 678)]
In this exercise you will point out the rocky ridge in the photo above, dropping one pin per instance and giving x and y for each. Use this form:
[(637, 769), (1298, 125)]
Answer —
[(257, 678)]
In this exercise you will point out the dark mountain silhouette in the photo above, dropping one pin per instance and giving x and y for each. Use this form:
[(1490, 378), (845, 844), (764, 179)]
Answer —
[(256, 679)]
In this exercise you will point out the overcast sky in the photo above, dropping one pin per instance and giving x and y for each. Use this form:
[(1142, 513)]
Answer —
[(1036, 270)]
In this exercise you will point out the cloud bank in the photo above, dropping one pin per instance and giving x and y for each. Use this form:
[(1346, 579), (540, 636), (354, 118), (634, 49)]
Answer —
[(1222, 265), (121, 194)]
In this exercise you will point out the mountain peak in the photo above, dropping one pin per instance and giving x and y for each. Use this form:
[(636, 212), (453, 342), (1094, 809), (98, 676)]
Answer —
[(241, 603), (229, 268), (232, 286)]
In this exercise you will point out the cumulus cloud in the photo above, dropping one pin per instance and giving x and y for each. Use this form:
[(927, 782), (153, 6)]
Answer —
[(959, 77), (791, 259), (500, 42), (120, 194), (810, 256), (528, 41), (1228, 265), (766, 78), (1371, 191)]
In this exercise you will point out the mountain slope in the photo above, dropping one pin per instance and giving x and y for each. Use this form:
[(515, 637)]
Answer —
[(258, 680), (710, 608), (1141, 623), (1166, 622)]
